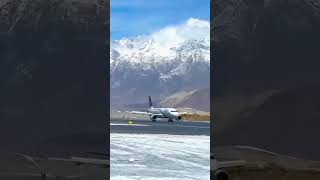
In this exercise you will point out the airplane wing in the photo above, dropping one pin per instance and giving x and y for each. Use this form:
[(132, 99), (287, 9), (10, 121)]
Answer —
[(182, 113), (139, 112), (22, 166), (225, 164), (146, 113), (81, 160)]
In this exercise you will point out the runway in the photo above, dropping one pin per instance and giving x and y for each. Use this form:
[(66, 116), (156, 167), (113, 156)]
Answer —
[(143, 126), (159, 150)]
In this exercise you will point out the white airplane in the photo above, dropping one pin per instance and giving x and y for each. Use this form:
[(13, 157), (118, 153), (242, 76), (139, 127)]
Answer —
[(154, 113)]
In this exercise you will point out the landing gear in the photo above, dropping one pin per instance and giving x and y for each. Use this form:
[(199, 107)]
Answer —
[(170, 120)]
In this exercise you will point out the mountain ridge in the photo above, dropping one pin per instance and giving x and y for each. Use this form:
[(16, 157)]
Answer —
[(139, 66)]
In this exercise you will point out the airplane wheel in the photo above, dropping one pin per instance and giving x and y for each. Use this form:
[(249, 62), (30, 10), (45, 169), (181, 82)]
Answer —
[(170, 120), (153, 120), (222, 176), (43, 176)]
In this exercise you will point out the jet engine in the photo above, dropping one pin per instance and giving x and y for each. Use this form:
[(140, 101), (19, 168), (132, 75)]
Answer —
[(153, 118), (179, 117)]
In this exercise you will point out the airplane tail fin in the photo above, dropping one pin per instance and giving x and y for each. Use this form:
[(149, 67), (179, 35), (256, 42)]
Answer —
[(150, 102)]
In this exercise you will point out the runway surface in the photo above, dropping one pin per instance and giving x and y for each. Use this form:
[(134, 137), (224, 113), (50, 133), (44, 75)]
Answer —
[(159, 150), (143, 126)]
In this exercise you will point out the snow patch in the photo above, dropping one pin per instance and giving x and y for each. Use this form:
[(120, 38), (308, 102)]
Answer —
[(159, 156)]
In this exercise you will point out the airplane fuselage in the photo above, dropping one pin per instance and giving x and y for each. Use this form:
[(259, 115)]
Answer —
[(171, 113)]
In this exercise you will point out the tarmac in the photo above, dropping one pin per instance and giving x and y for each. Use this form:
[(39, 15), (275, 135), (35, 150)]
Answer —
[(161, 126), (142, 149)]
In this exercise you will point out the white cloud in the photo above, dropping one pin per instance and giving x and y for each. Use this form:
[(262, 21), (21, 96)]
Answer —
[(165, 38), (171, 36)]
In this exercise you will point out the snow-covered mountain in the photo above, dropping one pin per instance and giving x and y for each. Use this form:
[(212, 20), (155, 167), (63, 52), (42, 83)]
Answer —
[(143, 65)]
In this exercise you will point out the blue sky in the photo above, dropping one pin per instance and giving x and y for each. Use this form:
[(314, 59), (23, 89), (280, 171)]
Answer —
[(136, 17)]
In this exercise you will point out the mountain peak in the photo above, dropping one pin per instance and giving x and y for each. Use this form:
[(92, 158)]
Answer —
[(146, 50), (143, 65)]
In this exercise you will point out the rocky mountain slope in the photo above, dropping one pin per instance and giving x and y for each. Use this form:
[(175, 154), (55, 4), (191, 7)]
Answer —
[(52, 74), (261, 47), (140, 66), (196, 99), (287, 122)]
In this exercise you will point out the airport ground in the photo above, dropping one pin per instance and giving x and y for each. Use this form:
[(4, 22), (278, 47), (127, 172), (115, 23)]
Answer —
[(142, 149), (146, 135), (161, 126), (154, 150), (260, 164), (16, 166)]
